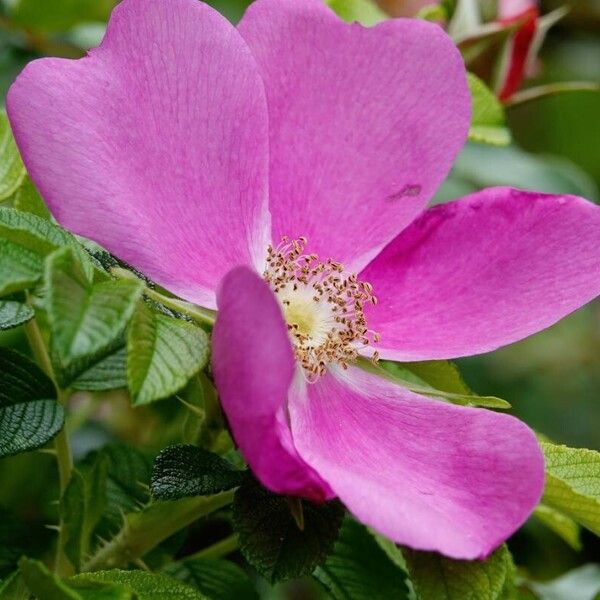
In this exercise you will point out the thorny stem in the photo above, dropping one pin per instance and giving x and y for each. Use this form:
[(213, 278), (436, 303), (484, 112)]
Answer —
[(64, 458), (141, 532)]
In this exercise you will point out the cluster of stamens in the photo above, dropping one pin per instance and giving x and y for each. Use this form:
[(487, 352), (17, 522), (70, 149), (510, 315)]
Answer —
[(322, 304)]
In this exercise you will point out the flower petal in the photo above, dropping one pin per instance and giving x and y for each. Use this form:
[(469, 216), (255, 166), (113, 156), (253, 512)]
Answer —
[(428, 474), (254, 367), (155, 145), (485, 271), (364, 123)]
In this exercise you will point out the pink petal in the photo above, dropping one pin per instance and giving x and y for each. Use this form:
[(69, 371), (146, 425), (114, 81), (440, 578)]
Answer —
[(155, 145), (254, 367), (364, 123), (428, 474), (483, 272)]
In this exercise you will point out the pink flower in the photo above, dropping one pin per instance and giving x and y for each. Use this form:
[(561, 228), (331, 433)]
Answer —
[(187, 147)]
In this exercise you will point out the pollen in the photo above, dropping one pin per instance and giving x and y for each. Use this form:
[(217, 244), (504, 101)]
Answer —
[(323, 306)]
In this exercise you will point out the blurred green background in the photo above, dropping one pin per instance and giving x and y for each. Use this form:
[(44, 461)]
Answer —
[(552, 379)]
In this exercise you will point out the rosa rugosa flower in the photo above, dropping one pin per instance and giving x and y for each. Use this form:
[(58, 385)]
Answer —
[(281, 171)]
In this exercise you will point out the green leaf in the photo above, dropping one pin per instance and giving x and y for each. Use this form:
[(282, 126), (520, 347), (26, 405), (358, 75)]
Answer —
[(12, 170), (14, 588), (20, 268), (488, 121), (13, 314), (28, 199), (358, 569), (573, 483), (30, 416), (560, 524), (582, 583), (81, 508), (110, 373), (437, 379), (436, 577), (365, 12), (181, 471), (216, 579), (86, 319), (270, 538), (25, 240), (163, 353), (47, 586), (147, 586)]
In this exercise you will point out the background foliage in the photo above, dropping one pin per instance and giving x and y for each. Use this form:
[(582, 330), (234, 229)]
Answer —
[(552, 381)]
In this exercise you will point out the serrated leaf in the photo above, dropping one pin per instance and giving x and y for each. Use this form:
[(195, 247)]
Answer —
[(146, 586), (365, 12), (47, 586), (20, 268), (563, 526), (30, 416), (436, 577), (39, 235), (12, 170), (182, 471), (163, 353), (216, 579), (86, 319), (573, 483), (488, 121), (13, 314), (270, 538), (110, 373), (358, 569), (437, 379), (81, 508)]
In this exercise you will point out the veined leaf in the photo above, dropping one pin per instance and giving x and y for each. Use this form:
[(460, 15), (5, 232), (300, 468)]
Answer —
[(145, 586), (358, 569), (86, 319), (47, 586), (216, 579), (573, 483), (163, 353), (27, 199), (181, 471), (272, 540), (108, 374), (20, 268), (12, 170), (487, 123), (30, 416), (437, 577), (13, 314)]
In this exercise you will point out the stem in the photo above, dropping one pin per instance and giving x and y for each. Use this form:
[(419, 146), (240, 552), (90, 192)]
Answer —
[(143, 531), (197, 313), (550, 89), (64, 458), (223, 548)]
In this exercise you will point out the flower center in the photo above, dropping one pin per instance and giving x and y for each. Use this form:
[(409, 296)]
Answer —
[(322, 305)]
